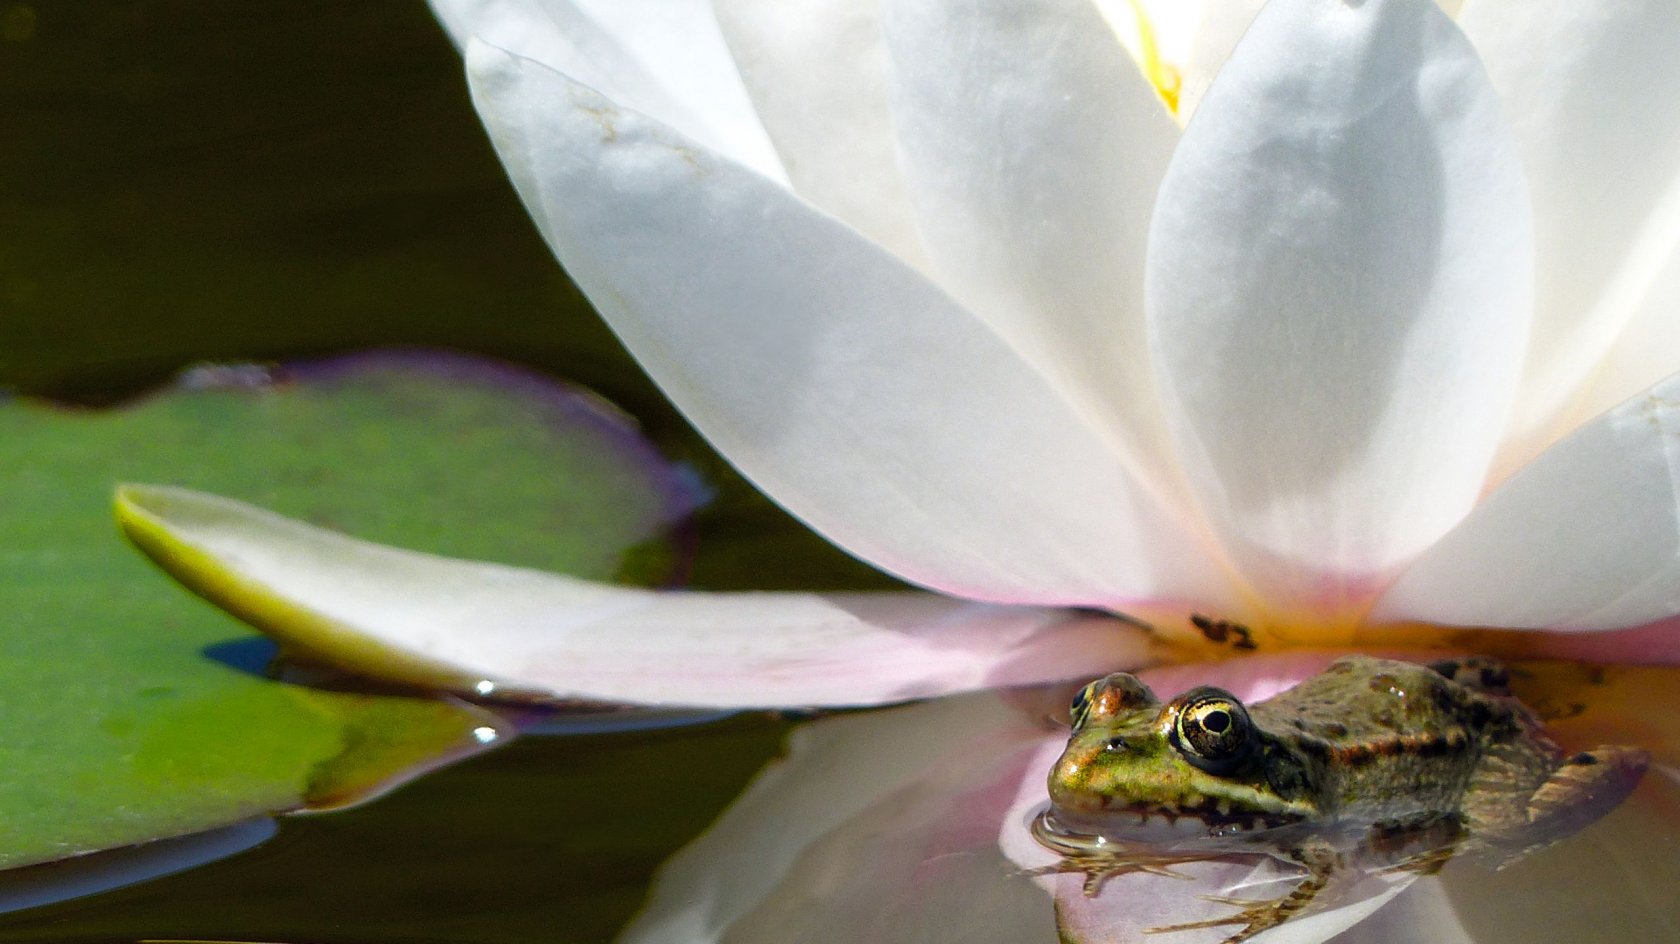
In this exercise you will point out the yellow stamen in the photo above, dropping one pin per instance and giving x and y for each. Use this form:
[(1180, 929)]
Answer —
[(1164, 76)]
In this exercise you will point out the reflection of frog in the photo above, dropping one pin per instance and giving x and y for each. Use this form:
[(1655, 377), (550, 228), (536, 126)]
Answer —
[(1370, 762)]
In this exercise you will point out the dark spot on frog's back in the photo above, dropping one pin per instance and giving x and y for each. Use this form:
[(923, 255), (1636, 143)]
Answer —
[(1444, 697), (1334, 729), (1480, 714)]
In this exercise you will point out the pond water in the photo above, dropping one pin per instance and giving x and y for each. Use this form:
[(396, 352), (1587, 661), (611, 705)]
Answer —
[(863, 835), (553, 838)]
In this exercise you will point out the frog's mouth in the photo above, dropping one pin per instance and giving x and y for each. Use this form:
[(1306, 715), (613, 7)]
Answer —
[(1158, 823)]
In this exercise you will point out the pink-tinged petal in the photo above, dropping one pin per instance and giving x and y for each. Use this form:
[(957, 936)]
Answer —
[(1034, 146), (1655, 643), (1591, 91), (1250, 678), (488, 628), (880, 827), (1339, 290), (1587, 536), (837, 378), (815, 72), (662, 57)]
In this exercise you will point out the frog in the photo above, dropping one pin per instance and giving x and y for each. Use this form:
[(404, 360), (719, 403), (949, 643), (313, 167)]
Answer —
[(1373, 763)]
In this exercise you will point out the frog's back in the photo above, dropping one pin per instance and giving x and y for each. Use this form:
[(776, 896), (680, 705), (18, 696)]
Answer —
[(1391, 740)]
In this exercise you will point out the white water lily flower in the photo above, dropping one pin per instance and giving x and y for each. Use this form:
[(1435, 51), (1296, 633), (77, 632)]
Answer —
[(1360, 325), (948, 280)]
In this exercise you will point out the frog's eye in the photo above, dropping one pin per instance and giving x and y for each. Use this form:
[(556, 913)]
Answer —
[(1082, 704), (1212, 728)]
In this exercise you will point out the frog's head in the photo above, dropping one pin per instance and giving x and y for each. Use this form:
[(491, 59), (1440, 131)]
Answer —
[(1195, 766)]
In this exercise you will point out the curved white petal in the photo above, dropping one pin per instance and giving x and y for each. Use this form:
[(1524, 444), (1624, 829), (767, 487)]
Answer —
[(662, 57), (1587, 536), (1222, 25), (1647, 350), (1592, 91), (837, 378), (1033, 147), (815, 72), (1339, 289), (420, 618), (877, 827)]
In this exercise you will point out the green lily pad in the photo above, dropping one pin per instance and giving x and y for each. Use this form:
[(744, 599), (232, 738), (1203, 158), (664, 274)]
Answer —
[(128, 716)]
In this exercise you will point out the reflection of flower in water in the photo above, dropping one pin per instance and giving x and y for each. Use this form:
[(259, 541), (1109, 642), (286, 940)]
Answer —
[(869, 831), (948, 281)]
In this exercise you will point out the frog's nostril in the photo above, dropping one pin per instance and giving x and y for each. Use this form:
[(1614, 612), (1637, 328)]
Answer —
[(1115, 744)]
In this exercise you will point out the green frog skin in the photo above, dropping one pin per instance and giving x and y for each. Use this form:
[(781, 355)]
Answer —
[(1370, 761)]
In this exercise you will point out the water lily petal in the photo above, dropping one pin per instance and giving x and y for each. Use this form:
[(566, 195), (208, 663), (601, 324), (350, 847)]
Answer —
[(1591, 90), (1647, 350), (664, 58), (1656, 643), (1587, 536), (815, 69), (1339, 290), (878, 827), (1222, 25), (837, 378), (489, 628), (1034, 146)]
